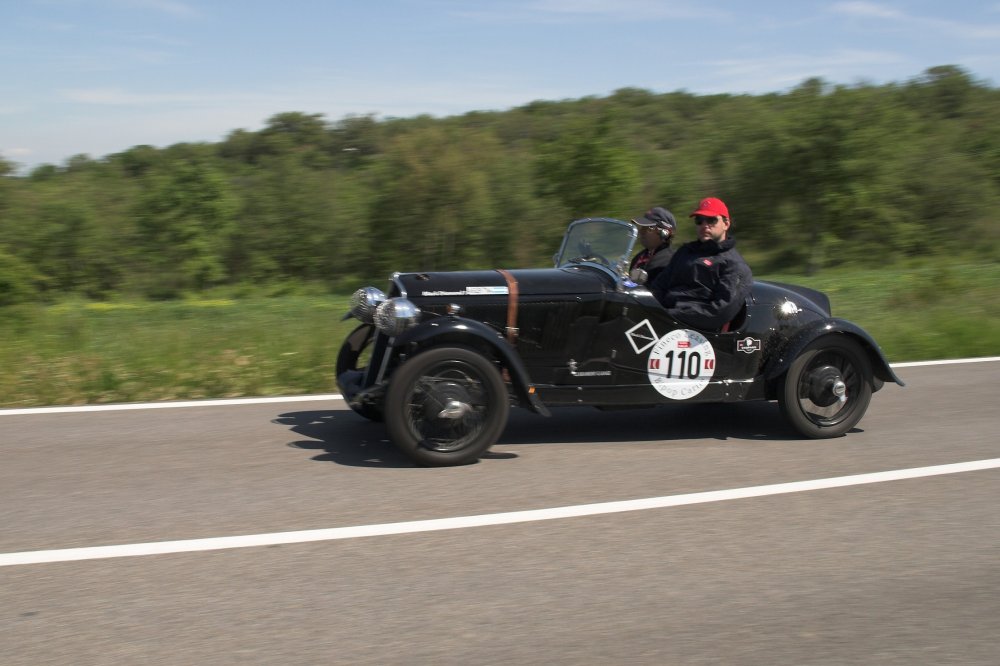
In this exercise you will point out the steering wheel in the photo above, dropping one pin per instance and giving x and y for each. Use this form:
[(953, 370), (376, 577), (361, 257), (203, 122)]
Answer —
[(594, 258)]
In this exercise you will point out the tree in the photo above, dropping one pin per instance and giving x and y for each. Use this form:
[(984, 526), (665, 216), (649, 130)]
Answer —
[(302, 134), (283, 223), (137, 160), (63, 230), (943, 91), (6, 169), (815, 176), (354, 140), (17, 280), (589, 170), (434, 187), (185, 220)]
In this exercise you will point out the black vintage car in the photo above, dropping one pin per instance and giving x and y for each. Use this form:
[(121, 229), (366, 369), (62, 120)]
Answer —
[(442, 356)]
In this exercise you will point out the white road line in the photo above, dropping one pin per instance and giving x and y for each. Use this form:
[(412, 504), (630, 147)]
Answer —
[(318, 398), (411, 527), (168, 405), (915, 364)]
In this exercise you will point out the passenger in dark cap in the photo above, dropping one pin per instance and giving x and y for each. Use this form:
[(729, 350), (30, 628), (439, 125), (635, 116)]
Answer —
[(656, 229)]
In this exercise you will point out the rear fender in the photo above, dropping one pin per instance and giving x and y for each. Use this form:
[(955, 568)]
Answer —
[(469, 332), (780, 363)]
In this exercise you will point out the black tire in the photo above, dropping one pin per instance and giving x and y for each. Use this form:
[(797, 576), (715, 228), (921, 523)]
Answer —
[(456, 380), (807, 394), (353, 360)]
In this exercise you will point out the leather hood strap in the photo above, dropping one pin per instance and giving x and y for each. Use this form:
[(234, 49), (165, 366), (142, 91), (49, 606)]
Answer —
[(512, 298)]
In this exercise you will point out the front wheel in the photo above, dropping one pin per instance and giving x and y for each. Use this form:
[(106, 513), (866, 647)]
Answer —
[(446, 406), (827, 388)]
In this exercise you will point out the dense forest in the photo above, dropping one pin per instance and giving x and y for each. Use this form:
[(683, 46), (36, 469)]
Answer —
[(817, 176)]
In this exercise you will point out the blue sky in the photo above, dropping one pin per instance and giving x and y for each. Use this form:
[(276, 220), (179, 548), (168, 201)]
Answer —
[(100, 76)]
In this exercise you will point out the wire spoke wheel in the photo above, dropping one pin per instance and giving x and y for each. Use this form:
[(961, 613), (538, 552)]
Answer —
[(827, 388), (446, 406)]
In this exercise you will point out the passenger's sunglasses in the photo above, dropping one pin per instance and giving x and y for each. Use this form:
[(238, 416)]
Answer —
[(702, 219)]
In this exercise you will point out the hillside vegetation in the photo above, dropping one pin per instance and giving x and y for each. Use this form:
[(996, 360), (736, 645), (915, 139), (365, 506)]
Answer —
[(816, 177), (80, 352), (228, 263)]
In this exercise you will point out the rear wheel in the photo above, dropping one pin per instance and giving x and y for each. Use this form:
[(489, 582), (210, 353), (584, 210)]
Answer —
[(827, 388), (446, 406)]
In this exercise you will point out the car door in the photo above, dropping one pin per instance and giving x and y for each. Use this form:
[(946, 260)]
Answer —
[(659, 359)]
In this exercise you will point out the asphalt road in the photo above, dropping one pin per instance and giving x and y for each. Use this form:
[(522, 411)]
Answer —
[(901, 572)]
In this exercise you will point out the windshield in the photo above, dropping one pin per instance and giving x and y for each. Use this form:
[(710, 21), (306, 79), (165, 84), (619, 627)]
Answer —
[(601, 241)]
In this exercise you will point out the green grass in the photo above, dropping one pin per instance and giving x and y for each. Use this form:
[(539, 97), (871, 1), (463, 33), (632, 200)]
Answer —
[(84, 353), (78, 352), (918, 313)]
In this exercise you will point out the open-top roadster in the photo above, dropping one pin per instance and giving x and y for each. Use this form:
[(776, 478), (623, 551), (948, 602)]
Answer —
[(442, 356)]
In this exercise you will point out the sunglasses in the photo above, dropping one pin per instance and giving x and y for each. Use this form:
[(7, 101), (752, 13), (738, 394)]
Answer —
[(701, 219)]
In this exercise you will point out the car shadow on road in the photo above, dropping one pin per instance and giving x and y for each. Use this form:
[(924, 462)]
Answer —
[(716, 421), (348, 439), (345, 438)]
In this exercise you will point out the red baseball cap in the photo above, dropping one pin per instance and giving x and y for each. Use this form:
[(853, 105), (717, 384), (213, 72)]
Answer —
[(711, 207)]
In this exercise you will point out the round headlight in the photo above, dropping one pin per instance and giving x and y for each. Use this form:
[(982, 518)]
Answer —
[(364, 302), (395, 316)]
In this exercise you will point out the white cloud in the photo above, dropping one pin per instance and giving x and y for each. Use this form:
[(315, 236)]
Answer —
[(561, 11), (125, 98), (635, 10), (783, 71), (56, 26), (333, 99), (110, 120), (865, 9), (957, 29), (169, 7), (118, 97), (16, 153)]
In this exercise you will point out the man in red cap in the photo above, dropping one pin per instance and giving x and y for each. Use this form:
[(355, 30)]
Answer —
[(707, 282)]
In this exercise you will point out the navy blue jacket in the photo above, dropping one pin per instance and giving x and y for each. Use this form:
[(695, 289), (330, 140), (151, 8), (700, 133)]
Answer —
[(653, 261), (705, 284)]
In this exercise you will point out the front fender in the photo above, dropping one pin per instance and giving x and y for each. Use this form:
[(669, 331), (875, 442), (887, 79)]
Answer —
[(465, 331), (780, 363)]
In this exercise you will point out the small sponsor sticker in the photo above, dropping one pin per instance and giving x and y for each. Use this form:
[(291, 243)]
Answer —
[(487, 291), (470, 291), (748, 345)]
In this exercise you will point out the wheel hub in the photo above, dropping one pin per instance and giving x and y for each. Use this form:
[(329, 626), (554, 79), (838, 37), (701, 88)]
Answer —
[(826, 386), (448, 401), (454, 409)]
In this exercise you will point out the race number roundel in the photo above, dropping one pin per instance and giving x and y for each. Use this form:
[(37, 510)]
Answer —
[(681, 364)]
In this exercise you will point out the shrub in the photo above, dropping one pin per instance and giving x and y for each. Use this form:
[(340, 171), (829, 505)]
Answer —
[(18, 280)]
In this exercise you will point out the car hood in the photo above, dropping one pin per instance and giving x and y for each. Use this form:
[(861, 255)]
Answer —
[(530, 282)]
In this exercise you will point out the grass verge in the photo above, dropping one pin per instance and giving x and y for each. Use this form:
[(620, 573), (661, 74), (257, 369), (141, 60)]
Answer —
[(87, 353)]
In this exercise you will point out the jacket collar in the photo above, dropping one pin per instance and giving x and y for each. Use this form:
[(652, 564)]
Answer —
[(713, 247)]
